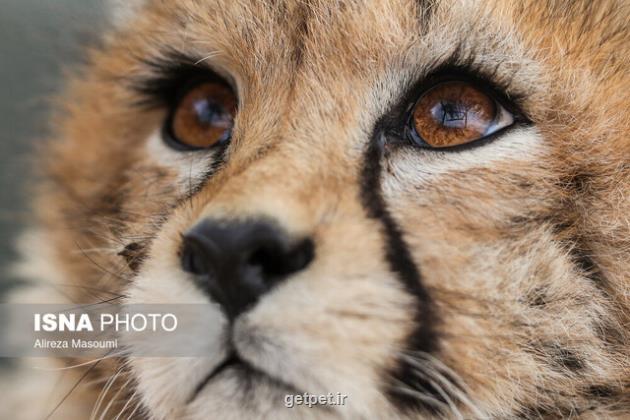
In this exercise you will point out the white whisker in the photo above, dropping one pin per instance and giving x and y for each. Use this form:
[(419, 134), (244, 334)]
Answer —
[(134, 410), (101, 396), (126, 405), (113, 399), (107, 356), (444, 380)]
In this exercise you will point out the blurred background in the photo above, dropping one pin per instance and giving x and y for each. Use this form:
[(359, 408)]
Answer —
[(39, 40)]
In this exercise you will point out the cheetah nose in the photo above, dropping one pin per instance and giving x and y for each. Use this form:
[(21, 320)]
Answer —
[(238, 262)]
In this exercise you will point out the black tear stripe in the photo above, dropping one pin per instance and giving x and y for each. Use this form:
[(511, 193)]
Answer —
[(401, 263), (219, 158)]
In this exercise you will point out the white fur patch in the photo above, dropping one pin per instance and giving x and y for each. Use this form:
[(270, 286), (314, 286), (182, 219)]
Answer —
[(426, 166), (190, 167)]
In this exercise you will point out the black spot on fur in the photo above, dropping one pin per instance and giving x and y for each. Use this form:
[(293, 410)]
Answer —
[(583, 258), (564, 359), (537, 298), (401, 263), (133, 254), (608, 330), (579, 182), (601, 392)]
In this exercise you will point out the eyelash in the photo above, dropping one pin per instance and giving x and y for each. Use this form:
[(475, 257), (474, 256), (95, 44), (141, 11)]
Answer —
[(504, 93), (171, 74)]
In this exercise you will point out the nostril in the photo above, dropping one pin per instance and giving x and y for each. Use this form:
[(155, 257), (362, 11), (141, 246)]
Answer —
[(300, 256), (193, 257), (278, 260)]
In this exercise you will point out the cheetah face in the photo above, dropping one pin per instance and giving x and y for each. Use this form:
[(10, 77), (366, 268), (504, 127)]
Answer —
[(419, 205)]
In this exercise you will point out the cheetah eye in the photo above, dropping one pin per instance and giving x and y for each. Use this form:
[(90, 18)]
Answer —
[(203, 117), (455, 113)]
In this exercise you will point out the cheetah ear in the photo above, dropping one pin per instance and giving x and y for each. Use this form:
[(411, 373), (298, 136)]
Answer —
[(123, 11)]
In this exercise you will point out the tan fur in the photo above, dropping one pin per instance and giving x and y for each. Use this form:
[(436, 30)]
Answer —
[(497, 231)]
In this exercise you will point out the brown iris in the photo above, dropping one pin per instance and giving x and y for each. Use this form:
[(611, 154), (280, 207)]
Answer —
[(454, 113), (204, 116)]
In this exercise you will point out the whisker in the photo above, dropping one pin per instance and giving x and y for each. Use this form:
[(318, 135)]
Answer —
[(126, 405), (112, 400), (87, 372), (404, 389), (444, 380), (101, 397), (107, 356), (447, 398), (89, 305), (96, 289), (138, 404)]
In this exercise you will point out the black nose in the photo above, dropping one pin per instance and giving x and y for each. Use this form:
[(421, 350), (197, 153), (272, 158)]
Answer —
[(239, 262)]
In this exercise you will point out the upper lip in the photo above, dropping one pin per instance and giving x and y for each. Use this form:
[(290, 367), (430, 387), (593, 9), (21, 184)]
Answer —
[(232, 360)]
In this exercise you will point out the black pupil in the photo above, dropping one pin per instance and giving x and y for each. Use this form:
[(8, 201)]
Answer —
[(450, 114), (211, 113)]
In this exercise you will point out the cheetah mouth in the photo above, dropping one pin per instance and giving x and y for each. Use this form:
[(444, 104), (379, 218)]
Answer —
[(246, 372), (232, 361)]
